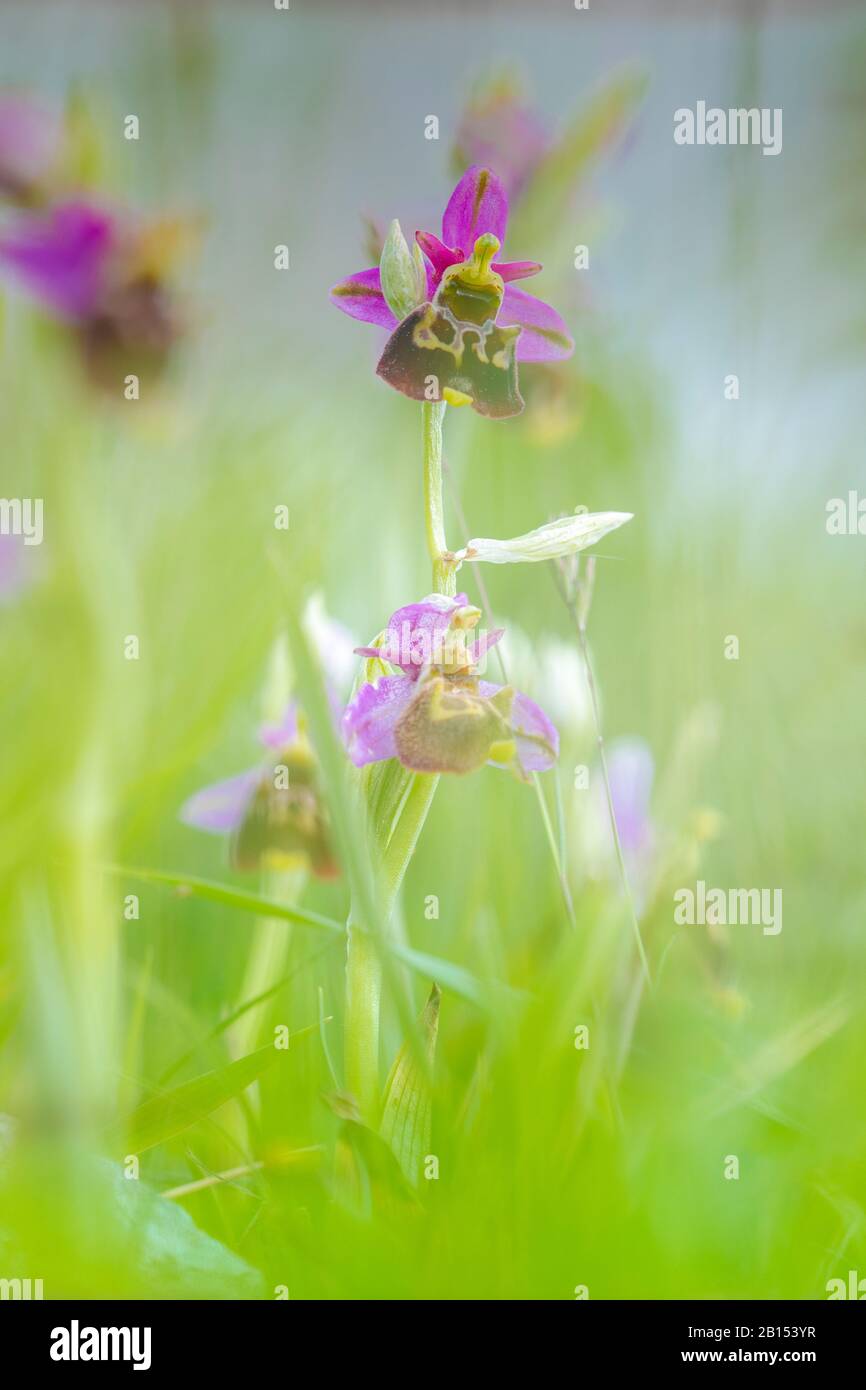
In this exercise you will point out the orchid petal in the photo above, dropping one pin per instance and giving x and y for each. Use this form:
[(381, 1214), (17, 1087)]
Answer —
[(61, 258), (370, 719), (438, 254), (516, 270), (283, 732), (360, 296), (222, 807), (536, 737), (499, 129), (414, 631), (631, 769), (451, 727), (465, 363), (478, 651), (544, 336), (477, 205)]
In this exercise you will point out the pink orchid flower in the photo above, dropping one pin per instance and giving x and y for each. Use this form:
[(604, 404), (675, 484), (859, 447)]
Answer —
[(476, 325), (437, 715), (273, 812)]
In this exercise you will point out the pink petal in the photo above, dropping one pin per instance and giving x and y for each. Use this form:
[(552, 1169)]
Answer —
[(283, 732), (438, 254), (369, 719), (477, 205), (530, 724), (360, 296), (222, 807), (545, 337), (516, 270), (61, 257), (413, 631), (478, 651)]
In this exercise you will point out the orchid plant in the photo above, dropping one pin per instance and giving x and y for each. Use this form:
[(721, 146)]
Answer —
[(458, 330)]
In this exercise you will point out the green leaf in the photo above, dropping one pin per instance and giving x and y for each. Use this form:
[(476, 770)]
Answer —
[(110, 1231), (169, 1114), (565, 536), (192, 887), (453, 977), (172, 1256), (407, 1107)]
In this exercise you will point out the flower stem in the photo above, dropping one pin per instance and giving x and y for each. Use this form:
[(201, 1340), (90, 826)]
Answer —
[(444, 577), (363, 965)]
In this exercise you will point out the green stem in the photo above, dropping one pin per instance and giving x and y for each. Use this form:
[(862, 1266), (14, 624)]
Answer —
[(363, 965), (363, 1000), (444, 577)]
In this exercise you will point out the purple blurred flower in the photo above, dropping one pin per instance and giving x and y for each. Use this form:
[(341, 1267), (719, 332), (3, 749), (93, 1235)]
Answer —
[(631, 770), (62, 258), (475, 325), (18, 567), (499, 129), (273, 812), (103, 275), (436, 715), (30, 145)]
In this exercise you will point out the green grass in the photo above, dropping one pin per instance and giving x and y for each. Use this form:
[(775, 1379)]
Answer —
[(557, 1167)]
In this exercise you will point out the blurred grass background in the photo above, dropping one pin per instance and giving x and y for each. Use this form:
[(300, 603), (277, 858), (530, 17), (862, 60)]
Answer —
[(558, 1167)]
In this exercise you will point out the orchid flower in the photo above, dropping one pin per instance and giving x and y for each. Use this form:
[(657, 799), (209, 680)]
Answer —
[(273, 811), (463, 339), (103, 275), (436, 715)]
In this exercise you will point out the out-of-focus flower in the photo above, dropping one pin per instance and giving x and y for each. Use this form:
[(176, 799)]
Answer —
[(462, 344), (437, 715), (106, 276), (555, 667), (273, 812), (501, 130), (31, 141), (333, 643), (631, 771), (18, 568), (543, 170)]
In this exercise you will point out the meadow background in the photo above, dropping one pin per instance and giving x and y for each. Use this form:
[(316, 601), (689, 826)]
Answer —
[(557, 1167)]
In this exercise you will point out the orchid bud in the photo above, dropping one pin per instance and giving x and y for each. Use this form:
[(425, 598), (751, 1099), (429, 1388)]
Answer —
[(403, 278)]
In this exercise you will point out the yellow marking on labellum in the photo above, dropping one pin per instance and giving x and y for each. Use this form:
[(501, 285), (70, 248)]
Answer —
[(453, 703), (424, 336), (454, 397)]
